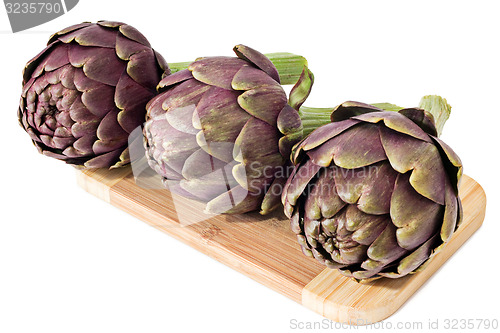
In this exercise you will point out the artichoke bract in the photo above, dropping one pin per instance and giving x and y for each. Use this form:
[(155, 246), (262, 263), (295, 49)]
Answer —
[(87, 91), (221, 132), (375, 192)]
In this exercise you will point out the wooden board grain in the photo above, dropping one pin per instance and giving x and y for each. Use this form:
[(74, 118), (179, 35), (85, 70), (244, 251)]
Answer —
[(265, 249)]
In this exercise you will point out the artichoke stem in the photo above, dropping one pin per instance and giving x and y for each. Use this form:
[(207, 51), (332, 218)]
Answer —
[(438, 107), (178, 66), (313, 118), (289, 66), (388, 107)]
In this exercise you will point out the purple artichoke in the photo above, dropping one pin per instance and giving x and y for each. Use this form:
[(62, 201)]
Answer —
[(375, 193), (87, 91), (221, 132)]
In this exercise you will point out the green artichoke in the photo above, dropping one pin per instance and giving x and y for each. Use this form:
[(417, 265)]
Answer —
[(87, 91), (221, 131), (375, 193)]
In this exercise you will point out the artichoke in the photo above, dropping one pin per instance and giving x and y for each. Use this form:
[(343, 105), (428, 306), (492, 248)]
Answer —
[(375, 193), (221, 131), (87, 90)]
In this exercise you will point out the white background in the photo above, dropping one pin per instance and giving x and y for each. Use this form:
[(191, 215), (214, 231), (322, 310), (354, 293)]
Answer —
[(72, 263)]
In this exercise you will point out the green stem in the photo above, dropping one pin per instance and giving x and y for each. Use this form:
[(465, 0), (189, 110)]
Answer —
[(178, 66), (438, 107), (313, 118), (289, 66), (387, 106)]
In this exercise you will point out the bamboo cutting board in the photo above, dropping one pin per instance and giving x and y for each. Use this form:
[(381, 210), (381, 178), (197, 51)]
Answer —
[(263, 247)]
